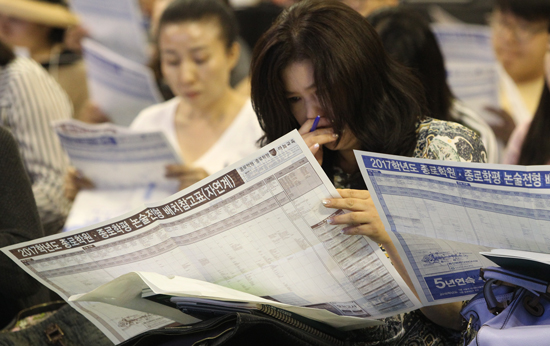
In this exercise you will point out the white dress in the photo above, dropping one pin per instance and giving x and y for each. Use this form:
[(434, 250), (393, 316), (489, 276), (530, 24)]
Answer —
[(238, 141)]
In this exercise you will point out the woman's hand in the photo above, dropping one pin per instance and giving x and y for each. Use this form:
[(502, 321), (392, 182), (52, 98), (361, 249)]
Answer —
[(92, 114), (74, 182), (316, 139), (187, 175), (363, 219)]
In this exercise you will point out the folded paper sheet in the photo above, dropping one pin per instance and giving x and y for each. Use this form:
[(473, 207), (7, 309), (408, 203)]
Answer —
[(126, 291)]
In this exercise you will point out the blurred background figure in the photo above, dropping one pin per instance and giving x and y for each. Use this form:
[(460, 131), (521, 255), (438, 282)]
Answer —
[(19, 222), (30, 100), (529, 143), (408, 38), (209, 123), (520, 38), (37, 28)]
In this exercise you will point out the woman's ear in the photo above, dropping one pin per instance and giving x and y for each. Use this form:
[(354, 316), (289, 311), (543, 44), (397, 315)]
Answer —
[(233, 53)]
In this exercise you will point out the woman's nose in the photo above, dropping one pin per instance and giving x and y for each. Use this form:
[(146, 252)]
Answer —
[(314, 110), (187, 72)]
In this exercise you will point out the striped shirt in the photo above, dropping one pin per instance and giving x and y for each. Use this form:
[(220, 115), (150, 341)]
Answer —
[(30, 100)]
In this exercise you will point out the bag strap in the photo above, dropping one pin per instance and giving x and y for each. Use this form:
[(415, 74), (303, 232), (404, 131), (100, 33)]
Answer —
[(493, 305), (507, 277)]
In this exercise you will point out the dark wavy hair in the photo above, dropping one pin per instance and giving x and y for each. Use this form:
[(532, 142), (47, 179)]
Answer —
[(194, 10), (408, 38), (358, 85)]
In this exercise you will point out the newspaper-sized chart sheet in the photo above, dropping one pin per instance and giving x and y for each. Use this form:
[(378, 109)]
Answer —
[(441, 214), (258, 226)]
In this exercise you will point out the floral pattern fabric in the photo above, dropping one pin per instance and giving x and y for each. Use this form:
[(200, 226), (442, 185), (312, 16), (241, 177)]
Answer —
[(436, 140)]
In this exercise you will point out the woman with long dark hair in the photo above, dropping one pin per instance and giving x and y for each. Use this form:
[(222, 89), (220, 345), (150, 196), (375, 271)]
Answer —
[(321, 58)]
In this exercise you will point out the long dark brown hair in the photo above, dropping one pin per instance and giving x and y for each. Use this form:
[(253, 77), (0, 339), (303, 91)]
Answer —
[(536, 146), (408, 38), (358, 85)]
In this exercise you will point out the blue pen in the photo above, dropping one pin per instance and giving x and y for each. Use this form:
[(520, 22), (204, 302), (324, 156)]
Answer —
[(315, 123)]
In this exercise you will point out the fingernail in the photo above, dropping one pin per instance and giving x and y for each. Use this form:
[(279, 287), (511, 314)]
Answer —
[(330, 220), (345, 230), (335, 135), (316, 145), (326, 202)]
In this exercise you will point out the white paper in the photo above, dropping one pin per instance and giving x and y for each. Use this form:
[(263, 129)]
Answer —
[(127, 168), (126, 291), (472, 68), (118, 25), (441, 214), (507, 253), (258, 226), (93, 206), (115, 158), (120, 87)]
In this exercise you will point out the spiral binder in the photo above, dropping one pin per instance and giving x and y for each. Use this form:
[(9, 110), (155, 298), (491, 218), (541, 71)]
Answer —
[(315, 328)]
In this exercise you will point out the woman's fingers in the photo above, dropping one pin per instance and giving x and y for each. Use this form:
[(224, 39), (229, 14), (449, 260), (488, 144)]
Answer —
[(353, 202), (363, 217)]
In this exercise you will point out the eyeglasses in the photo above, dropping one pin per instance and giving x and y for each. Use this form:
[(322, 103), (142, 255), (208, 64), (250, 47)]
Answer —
[(521, 30)]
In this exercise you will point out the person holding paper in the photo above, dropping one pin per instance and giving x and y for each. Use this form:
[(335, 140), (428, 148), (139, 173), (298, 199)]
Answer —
[(323, 58), (409, 39), (38, 27), (209, 123)]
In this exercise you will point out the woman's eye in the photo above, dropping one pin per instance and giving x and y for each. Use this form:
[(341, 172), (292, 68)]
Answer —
[(200, 60), (294, 99), (172, 62)]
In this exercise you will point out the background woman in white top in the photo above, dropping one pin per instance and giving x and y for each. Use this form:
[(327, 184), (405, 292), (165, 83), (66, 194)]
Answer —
[(208, 122)]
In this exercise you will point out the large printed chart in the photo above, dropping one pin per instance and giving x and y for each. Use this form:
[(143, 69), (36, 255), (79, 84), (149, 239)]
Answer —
[(259, 227), (442, 214)]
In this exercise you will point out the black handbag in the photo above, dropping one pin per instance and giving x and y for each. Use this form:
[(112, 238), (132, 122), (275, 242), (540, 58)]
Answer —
[(238, 329)]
